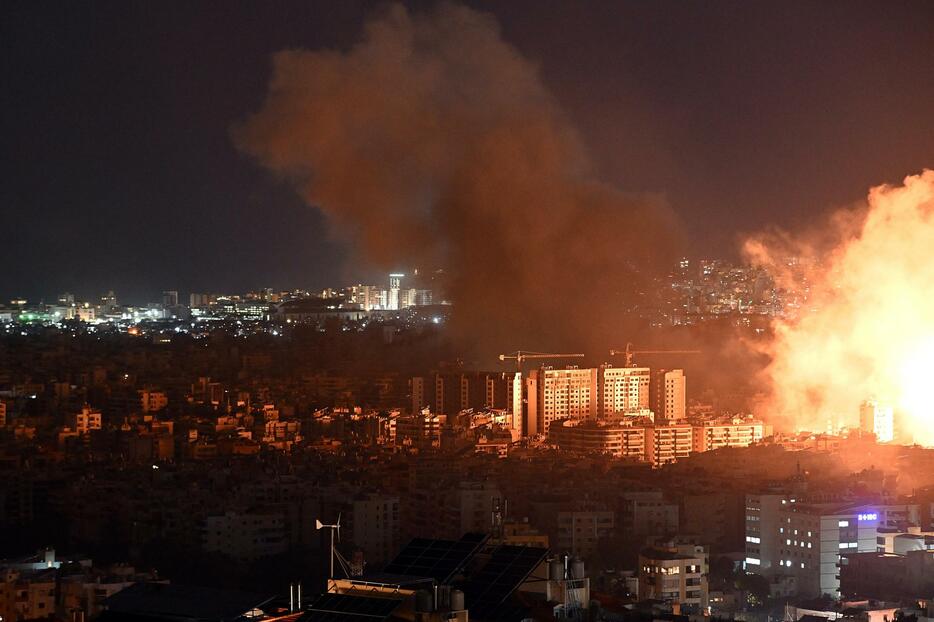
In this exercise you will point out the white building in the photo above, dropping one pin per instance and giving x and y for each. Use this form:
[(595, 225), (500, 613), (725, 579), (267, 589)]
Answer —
[(786, 538), (623, 389), (669, 394), (393, 299), (554, 394), (879, 419)]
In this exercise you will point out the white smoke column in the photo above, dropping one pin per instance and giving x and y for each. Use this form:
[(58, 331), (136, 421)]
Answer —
[(869, 328)]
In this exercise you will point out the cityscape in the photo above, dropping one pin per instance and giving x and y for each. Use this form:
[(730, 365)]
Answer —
[(345, 312)]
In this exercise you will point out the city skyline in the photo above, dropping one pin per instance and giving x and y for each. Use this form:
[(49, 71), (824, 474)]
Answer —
[(463, 310), (168, 154)]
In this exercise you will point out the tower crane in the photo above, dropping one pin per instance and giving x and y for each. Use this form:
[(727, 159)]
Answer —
[(629, 352), (523, 355)]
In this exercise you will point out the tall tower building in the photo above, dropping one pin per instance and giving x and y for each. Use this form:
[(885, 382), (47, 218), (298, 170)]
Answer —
[(623, 389), (554, 394), (668, 394), (879, 419), (395, 285)]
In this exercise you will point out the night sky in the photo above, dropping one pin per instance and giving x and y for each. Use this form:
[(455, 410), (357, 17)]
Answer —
[(119, 171)]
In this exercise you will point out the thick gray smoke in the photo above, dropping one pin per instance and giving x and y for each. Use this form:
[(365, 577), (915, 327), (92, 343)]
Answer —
[(433, 143)]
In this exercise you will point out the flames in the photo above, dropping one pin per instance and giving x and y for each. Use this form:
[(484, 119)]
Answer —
[(866, 328)]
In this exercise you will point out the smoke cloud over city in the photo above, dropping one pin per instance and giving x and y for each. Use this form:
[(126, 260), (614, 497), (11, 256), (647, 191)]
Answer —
[(433, 143), (867, 329)]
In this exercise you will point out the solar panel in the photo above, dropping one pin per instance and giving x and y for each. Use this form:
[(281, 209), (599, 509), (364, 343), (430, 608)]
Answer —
[(438, 559), (347, 608), (508, 567)]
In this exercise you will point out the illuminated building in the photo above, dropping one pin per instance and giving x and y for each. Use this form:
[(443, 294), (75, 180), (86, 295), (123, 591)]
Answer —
[(369, 297), (85, 421), (151, 401), (623, 389), (668, 443), (676, 574), (804, 542), (591, 437), (395, 285), (420, 430), (569, 393), (878, 419), (668, 394), (736, 432)]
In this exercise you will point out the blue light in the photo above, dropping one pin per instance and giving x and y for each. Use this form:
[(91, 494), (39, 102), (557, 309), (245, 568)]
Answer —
[(871, 516)]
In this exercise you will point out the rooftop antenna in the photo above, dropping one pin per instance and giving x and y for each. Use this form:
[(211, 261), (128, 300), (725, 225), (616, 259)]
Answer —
[(335, 527)]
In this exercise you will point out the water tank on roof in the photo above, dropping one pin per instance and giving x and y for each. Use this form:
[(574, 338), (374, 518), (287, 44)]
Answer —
[(424, 601), (556, 569), (457, 600), (577, 568)]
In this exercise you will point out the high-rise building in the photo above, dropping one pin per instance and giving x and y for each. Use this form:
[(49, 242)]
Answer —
[(169, 298), (623, 389), (668, 394), (879, 419), (395, 285), (553, 394)]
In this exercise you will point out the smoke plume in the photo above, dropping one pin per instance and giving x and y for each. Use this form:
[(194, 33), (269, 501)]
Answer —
[(866, 329), (433, 143)]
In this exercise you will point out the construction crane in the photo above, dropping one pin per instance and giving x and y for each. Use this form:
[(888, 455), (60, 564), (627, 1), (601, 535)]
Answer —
[(629, 352), (523, 355)]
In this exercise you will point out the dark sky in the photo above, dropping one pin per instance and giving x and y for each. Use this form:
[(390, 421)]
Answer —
[(118, 170)]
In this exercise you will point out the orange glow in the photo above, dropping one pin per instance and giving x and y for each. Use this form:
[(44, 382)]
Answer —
[(868, 328)]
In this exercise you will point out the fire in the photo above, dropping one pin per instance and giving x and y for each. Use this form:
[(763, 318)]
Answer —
[(867, 330)]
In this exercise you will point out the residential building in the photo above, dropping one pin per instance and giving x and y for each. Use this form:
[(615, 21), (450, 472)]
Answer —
[(667, 443), (676, 574), (245, 535), (623, 389), (733, 432), (878, 419), (786, 537), (372, 523), (85, 421), (668, 395), (581, 532), (553, 394)]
